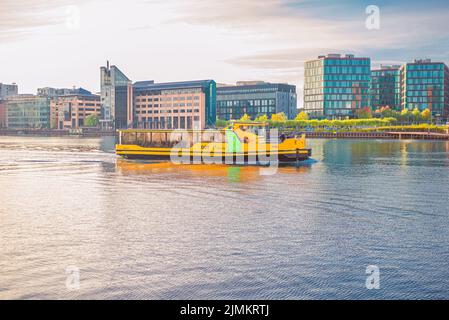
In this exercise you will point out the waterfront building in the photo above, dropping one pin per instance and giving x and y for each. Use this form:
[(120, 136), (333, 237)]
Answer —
[(7, 90), (255, 98), (386, 87), (425, 84), (116, 98), (174, 105), (70, 111), (3, 114), (28, 111), (336, 86)]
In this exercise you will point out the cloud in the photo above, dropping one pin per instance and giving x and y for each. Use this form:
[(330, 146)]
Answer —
[(285, 33), (280, 59), (293, 29), (20, 18), (226, 40)]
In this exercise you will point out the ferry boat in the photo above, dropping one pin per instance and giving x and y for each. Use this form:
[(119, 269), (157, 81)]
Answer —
[(239, 143)]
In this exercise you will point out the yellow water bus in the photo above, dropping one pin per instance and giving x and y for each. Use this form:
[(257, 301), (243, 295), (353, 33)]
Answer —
[(239, 143)]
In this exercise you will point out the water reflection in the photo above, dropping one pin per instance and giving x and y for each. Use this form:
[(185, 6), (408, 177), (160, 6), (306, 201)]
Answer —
[(163, 231), (230, 173), (358, 152)]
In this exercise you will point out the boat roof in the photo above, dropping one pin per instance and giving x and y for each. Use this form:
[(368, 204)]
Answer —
[(248, 123)]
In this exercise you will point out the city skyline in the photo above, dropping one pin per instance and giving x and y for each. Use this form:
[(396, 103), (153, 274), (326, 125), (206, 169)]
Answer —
[(181, 40)]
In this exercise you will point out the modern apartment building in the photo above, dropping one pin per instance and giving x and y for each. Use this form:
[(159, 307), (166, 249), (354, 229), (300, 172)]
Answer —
[(7, 90), (336, 85), (255, 98), (425, 84), (28, 112), (174, 105), (116, 98), (70, 111), (386, 87)]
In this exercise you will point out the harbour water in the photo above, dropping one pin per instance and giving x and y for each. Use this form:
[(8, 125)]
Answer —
[(160, 231)]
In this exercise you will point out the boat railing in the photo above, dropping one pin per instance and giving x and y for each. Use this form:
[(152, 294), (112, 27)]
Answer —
[(169, 139), (187, 138)]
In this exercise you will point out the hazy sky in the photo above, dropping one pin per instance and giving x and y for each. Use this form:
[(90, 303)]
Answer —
[(62, 43)]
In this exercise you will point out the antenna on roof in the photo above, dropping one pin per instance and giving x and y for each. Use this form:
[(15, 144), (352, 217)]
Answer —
[(107, 64)]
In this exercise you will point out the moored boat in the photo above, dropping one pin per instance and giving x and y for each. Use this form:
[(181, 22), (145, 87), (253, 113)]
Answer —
[(240, 143)]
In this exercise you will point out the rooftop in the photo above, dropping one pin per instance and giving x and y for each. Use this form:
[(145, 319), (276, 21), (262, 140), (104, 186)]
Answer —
[(257, 85), (151, 85), (339, 56)]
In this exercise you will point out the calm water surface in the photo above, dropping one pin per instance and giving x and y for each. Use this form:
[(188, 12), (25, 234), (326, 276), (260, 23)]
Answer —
[(159, 231)]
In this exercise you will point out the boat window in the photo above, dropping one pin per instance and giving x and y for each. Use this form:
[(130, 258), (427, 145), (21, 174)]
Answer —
[(129, 137), (167, 139)]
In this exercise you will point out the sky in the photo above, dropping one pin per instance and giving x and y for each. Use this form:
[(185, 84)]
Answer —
[(63, 43)]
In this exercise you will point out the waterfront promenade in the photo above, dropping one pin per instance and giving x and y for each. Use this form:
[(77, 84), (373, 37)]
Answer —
[(380, 135), (56, 133)]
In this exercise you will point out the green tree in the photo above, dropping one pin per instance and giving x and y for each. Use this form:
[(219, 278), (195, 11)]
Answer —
[(416, 115), (302, 116), (364, 113), (406, 115), (221, 123), (245, 118), (262, 118), (426, 115), (91, 121), (279, 117)]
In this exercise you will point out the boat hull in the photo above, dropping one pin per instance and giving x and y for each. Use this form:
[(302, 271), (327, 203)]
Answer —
[(157, 154)]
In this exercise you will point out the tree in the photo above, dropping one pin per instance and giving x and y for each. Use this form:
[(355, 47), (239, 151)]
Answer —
[(416, 114), (302, 116), (426, 114), (406, 115), (364, 113), (245, 118), (386, 112), (221, 123), (262, 118), (91, 121), (279, 117)]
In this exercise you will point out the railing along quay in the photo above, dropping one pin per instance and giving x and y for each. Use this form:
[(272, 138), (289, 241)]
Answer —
[(379, 135)]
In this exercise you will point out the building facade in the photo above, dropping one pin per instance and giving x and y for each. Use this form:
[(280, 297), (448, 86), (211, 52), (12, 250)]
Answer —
[(3, 123), (336, 86), (255, 99), (175, 105), (7, 90), (71, 111), (28, 112), (425, 84), (58, 92), (116, 98), (386, 87)]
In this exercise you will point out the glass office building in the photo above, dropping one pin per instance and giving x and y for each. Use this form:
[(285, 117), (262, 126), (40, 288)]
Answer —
[(255, 99), (28, 112), (386, 87), (116, 98), (425, 84), (335, 86)]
